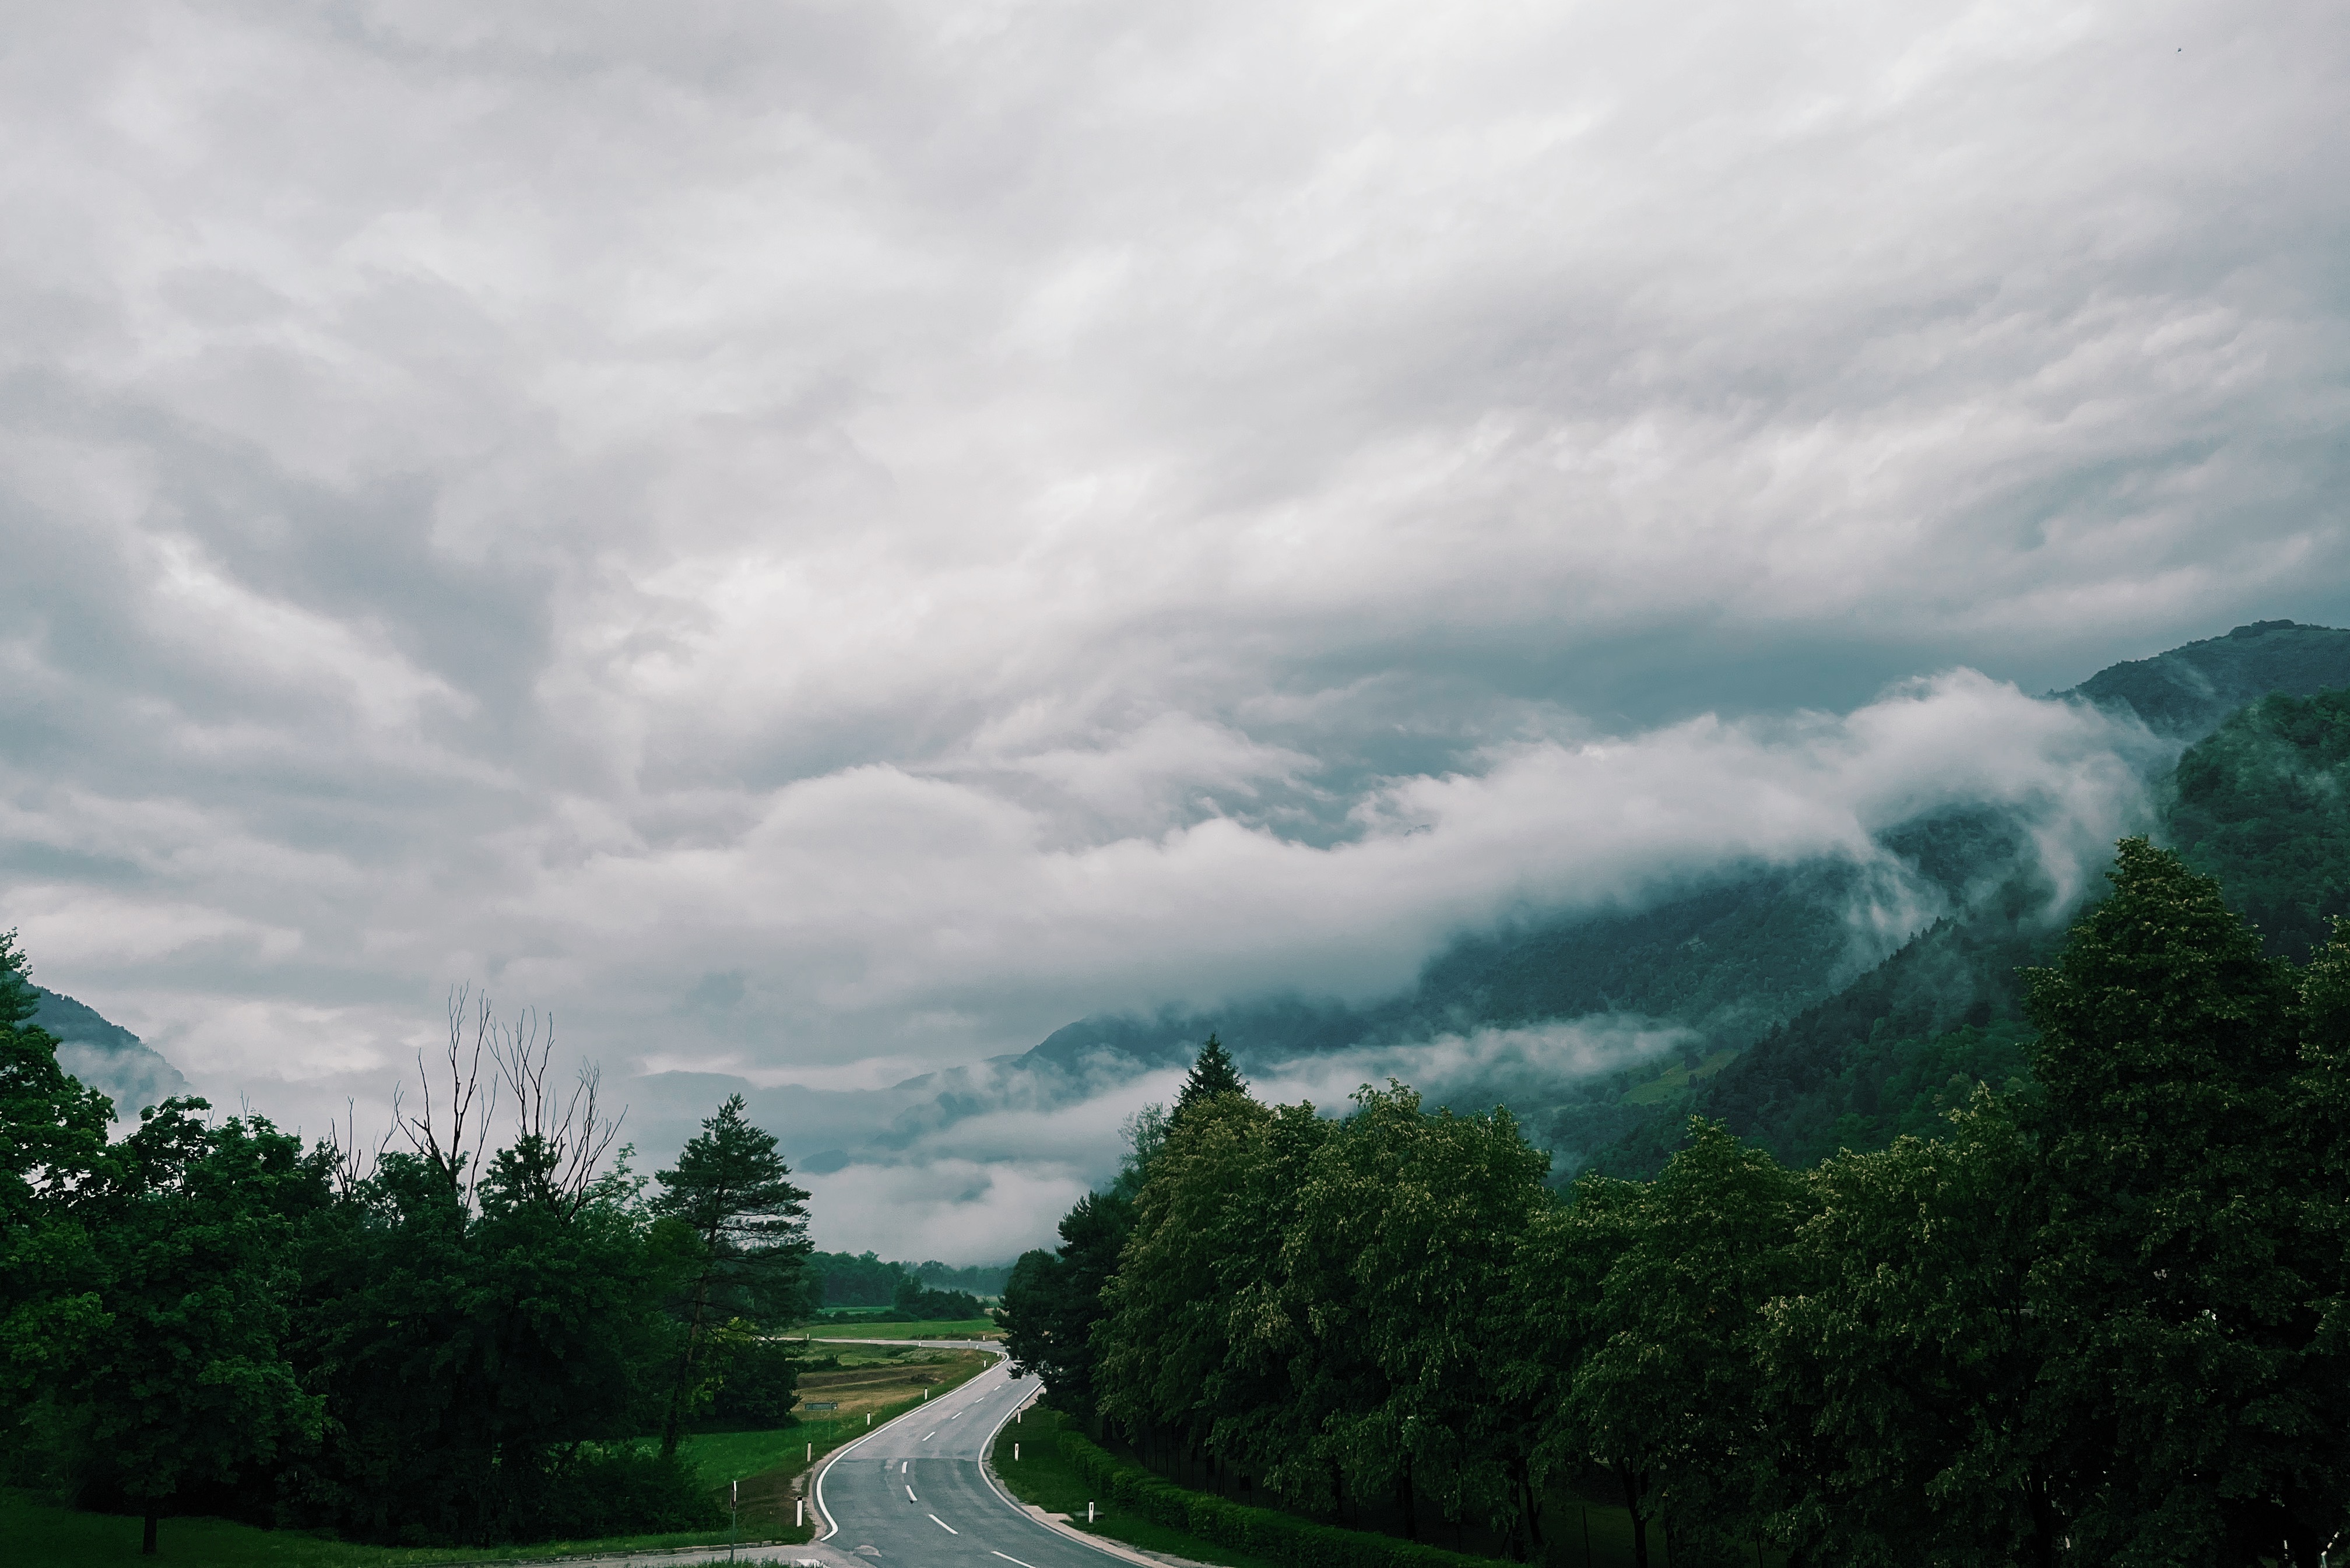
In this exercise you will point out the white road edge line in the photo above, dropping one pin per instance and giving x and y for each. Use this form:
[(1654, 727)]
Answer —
[(832, 1524), (942, 1524)]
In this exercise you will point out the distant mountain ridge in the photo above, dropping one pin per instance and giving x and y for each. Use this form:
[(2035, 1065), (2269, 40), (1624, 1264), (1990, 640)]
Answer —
[(107, 1056), (1756, 972), (1759, 959), (2261, 801), (2187, 692)]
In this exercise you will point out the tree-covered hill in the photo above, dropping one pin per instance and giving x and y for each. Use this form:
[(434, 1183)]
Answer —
[(106, 1056), (1801, 1034), (2260, 803), (2188, 690), (1761, 982)]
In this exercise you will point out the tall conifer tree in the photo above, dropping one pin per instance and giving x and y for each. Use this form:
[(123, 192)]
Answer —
[(750, 1228), (1213, 1074)]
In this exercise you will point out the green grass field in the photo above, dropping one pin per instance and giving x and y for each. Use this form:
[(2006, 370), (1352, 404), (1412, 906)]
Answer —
[(768, 1464), (1676, 1078), (36, 1532)]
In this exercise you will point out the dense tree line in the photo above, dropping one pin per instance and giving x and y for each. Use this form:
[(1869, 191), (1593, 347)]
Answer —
[(863, 1280), (444, 1339), (2099, 1317)]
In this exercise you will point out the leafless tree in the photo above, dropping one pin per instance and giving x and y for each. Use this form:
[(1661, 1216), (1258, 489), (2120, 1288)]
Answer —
[(569, 1144), (559, 1141), (439, 1134)]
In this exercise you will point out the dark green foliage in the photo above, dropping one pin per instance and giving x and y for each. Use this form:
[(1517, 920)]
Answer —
[(1053, 1299), (1651, 1369), (746, 1227), (1407, 1227), (202, 1316), (52, 1129), (2178, 1273), (863, 1280), (464, 1355), (1279, 1536), (1910, 1341), (845, 1279), (2261, 804), (756, 1381), (914, 1302), (2102, 1322), (1211, 1075), (188, 1384)]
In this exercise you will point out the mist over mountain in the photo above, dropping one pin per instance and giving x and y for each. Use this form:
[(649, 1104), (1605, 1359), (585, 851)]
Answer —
[(107, 1056), (2189, 691), (1827, 987), (1746, 994)]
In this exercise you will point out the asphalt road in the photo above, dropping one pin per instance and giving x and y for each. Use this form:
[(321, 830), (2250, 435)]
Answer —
[(914, 1493)]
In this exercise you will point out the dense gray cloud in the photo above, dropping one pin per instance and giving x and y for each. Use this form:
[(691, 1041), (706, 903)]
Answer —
[(821, 542)]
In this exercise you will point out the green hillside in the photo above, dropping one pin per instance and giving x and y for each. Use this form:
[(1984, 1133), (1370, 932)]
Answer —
[(2258, 804), (2190, 690), (1758, 961)]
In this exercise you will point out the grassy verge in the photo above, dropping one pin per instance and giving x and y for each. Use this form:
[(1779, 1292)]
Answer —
[(769, 1465), (1043, 1476), (968, 1328)]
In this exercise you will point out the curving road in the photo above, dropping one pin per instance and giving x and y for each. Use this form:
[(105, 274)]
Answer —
[(915, 1492)]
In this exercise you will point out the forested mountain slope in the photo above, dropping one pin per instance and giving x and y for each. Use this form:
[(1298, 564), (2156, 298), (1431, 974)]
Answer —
[(1769, 989), (2258, 804), (107, 1056), (1787, 1042), (2188, 690)]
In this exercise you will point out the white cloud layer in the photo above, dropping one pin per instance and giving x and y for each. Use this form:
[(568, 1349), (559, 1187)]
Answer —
[(825, 542)]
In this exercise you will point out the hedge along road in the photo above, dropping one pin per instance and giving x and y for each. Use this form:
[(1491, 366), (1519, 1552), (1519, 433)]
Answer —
[(917, 1491)]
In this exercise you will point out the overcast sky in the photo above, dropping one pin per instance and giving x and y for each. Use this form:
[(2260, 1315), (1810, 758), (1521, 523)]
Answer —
[(822, 541)]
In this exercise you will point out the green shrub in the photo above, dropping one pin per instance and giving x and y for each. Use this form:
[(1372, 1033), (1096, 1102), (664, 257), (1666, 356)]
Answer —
[(621, 1490), (1299, 1543)]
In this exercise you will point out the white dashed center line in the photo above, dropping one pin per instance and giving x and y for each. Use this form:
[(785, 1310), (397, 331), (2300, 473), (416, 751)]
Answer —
[(942, 1524)]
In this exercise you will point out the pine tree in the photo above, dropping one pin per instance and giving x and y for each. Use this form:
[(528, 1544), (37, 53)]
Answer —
[(1213, 1074), (750, 1231)]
